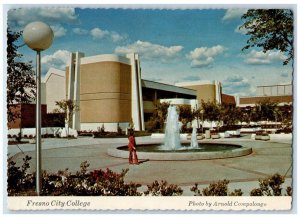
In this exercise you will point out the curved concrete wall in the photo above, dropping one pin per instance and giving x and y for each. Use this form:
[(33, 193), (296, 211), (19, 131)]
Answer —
[(105, 92)]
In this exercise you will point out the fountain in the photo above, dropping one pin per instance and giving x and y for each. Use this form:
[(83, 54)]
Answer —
[(173, 149), (194, 141), (172, 134)]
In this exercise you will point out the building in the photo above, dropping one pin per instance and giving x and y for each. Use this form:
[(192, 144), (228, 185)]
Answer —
[(281, 94), (109, 91), (53, 88)]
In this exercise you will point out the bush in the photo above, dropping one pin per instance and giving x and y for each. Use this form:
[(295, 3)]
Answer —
[(163, 189), (82, 183), (270, 186), (18, 180), (219, 188)]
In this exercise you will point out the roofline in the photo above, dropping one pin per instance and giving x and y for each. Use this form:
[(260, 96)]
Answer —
[(181, 90), (199, 82), (53, 71)]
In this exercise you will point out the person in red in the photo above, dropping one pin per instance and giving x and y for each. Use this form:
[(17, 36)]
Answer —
[(133, 159)]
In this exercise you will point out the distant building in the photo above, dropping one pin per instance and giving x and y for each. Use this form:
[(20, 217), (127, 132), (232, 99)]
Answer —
[(281, 94), (53, 88)]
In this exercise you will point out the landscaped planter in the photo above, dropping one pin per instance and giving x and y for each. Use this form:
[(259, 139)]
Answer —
[(215, 136), (258, 137), (265, 137)]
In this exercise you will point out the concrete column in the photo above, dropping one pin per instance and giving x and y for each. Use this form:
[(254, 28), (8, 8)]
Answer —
[(137, 109), (76, 91), (70, 91)]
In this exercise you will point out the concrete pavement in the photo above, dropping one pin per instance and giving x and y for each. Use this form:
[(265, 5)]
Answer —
[(243, 172)]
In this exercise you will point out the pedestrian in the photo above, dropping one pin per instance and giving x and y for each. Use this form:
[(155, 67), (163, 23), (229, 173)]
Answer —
[(133, 159)]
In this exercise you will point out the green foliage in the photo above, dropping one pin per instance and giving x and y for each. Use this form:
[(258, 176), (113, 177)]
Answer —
[(212, 111), (18, 180), (219, 188), (157, 120), (20, 77), (162, 188), (66, 107), (186, 116), (270, 29), (265, 110), (119, 130), (270, 186), (231, 115)]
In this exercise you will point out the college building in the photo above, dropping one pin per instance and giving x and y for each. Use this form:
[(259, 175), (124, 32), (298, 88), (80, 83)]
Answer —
[(110, 91)]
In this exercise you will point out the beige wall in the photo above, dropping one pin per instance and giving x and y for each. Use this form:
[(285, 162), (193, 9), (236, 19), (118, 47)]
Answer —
[(105, 92), (54, 91), (67, 81), (204, 92)]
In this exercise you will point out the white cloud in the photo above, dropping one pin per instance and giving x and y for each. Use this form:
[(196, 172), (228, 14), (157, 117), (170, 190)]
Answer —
[(58, 60), (234, 13), (117, 37), (80, 31), (19, 18), (204, 56), (97, 33), (150, 51), (58, 30), (237, 85), (260, 57)]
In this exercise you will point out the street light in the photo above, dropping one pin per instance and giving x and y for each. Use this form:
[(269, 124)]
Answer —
[(38, 36)]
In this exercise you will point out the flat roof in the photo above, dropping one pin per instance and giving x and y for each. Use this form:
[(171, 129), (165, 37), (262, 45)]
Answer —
[(195, 83), (166, 87)]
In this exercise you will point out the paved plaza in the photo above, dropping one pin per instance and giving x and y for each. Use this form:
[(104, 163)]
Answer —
[(267, 158)]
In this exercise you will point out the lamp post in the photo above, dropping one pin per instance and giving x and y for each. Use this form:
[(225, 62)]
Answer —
[(38, 36), (202, 112)]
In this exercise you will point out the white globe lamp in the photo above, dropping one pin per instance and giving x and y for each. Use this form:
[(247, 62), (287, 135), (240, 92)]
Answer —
[(38, 36)]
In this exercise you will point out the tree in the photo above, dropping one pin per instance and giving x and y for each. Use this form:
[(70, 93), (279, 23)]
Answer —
[(186, 116), (20, 77), (270, 29), (265, 110), (67, 107), (159, 116), (212, 111), (231, 115)]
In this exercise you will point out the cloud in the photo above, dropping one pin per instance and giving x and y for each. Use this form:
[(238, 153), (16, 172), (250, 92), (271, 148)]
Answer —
[(98, 33), (260, 57), (191, 78), (201, 57), (237, 85), (233, 13), (117, 37), (58, 30), (18, 18), (80, 31), (150, 51), (58, 60)]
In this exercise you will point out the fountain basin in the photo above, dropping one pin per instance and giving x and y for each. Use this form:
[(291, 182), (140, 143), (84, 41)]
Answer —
[(206, 151)]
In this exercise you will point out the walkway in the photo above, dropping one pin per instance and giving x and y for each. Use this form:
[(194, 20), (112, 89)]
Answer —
[(243, 172)]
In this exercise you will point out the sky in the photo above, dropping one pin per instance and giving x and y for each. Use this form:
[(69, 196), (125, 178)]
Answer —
[(173, 45)]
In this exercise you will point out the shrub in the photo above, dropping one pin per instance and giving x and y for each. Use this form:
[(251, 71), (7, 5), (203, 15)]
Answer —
[(18, 180), (82, 183), (119, 130), (270, 186), (163, 189), (219, 188)]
